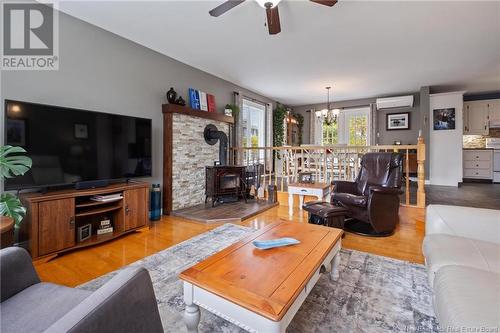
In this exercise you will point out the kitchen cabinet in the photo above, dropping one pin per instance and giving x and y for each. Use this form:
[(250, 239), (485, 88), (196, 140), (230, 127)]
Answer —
[(494, 113), (480, 116), (476, 116), (478, 163)]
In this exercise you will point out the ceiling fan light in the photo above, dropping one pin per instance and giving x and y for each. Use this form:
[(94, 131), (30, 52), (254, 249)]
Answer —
[(262, 3)]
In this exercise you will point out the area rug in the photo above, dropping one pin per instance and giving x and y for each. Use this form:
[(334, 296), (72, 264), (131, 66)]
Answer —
[(373, 294)]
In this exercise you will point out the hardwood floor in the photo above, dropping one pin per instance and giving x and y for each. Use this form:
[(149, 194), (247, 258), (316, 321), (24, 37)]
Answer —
[(80, 266)]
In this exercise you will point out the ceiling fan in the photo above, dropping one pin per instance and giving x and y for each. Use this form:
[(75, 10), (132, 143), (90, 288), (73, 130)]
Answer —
[(271, 6)]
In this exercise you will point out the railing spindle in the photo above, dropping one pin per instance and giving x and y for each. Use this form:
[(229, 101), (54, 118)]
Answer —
[(326, 162)]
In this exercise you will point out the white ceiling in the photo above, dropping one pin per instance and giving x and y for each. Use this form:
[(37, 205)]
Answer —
[(361, 48)]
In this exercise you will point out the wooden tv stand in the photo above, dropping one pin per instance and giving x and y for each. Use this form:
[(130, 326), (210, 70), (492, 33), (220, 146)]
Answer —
[(53, 218)]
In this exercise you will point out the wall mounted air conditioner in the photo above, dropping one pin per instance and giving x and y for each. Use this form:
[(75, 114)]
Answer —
[(394, 102)]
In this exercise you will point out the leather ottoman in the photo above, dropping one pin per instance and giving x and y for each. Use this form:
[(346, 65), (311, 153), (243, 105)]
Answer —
[(325, 213)]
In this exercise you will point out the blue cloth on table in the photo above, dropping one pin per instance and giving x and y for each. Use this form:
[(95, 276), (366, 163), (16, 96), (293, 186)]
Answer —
[(272, 243)]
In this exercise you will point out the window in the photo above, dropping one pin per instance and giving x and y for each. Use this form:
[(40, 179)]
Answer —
[(253, 124), (352, 128), (330, 134), (357, 127)]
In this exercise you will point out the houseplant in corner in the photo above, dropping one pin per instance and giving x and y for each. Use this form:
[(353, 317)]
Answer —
[(235, 113), (12, 164)]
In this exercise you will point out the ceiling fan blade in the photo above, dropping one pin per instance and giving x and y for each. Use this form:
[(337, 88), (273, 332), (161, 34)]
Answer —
[(224, 7), (273, 20), (329, 3)]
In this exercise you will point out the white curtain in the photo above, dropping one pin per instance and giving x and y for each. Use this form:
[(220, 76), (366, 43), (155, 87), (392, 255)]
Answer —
[(315, 129), (269, 132), (374, 124)]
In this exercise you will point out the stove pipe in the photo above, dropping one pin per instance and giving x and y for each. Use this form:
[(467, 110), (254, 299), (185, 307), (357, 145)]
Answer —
[(212, 135)]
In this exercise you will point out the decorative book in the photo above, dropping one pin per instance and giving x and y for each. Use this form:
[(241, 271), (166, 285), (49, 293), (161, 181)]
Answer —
[(104, 231), (105, 223), (194, 99), (272, 243), (211, 103), (203, 101)]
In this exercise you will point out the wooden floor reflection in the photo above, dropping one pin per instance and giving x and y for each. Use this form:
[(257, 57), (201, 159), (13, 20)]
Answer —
[(83, 265)]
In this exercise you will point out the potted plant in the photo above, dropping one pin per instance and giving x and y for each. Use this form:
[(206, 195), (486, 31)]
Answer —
[(12, 164), (235, 110)]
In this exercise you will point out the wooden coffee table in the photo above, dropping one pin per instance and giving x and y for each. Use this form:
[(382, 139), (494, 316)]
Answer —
[(261, 290)]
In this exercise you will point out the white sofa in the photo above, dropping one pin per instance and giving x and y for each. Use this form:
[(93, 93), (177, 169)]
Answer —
[(462, 255)]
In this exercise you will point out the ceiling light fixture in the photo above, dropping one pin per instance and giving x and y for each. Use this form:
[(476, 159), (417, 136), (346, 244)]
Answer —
[(264, 3), (330, 116)]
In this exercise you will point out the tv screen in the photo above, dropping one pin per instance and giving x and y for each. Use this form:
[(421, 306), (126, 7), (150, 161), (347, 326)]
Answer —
[(68, 146)]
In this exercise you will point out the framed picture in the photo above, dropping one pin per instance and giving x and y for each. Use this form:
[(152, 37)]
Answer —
[(84, 232), (81, 131), (398, 121), (16, 132), (444, 119)]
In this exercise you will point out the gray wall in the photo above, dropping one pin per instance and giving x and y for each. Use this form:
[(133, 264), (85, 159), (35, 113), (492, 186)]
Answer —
[(385, 137), (425, 125), (101, 71), (407, 137)]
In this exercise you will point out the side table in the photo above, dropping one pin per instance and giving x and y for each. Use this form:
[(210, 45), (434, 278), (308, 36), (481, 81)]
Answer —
[(6, 231), (319, 190)]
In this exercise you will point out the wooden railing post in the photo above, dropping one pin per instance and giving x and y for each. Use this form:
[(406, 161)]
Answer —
[(421, 172), (407, 177)]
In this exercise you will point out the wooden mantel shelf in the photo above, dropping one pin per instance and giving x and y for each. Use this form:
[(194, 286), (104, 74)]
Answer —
[(174, 108)]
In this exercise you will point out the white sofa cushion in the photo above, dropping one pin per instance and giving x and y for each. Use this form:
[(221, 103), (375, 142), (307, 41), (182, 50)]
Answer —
[(476, 223), (443, 250), (466, 297)]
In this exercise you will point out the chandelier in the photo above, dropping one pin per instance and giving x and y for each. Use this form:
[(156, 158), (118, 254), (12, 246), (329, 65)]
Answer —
[(330, 116)]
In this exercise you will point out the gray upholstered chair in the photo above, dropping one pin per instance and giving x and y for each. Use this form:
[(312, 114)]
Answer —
[(124, 304)]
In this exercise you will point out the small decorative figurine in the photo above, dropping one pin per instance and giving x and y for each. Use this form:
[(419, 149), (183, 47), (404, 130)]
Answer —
[(180, 101), (171, 96)]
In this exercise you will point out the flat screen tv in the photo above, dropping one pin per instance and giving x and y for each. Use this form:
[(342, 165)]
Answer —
[(72, 147)]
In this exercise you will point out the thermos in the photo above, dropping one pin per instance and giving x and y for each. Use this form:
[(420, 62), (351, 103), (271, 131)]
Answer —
[(155, 203)]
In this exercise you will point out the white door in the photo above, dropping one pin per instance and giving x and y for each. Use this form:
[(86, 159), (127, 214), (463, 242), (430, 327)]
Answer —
[(253, 128), (354, 126)]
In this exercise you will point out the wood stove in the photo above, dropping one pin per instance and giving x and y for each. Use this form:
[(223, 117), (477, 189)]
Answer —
[(224, 183)]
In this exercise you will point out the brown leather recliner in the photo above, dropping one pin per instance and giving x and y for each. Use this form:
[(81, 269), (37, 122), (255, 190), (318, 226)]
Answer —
[(373, 198)]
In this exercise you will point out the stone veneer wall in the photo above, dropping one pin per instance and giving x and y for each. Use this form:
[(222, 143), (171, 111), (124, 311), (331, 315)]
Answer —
[(191, 154), (479, 141)]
